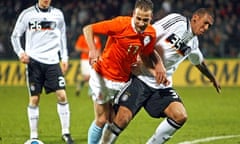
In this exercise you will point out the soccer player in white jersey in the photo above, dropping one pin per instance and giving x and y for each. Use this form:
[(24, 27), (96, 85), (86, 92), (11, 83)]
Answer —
[(45, 45), (178, 38)]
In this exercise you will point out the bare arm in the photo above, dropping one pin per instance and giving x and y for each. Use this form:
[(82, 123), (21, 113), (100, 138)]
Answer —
[(155, 64), (93, 52), (204, 70)]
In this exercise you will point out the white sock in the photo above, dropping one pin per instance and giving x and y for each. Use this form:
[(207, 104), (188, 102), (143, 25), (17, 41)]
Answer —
[(64, 115), (110, 134), (164, 132), (33, 116)]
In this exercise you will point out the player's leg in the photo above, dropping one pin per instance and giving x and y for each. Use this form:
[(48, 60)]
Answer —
[(34, 79), (102, 112), (169, 104), (103, 91), (100, 108), (33, 116), (128, 103), (120, 122), (55, 82), (63, 111)]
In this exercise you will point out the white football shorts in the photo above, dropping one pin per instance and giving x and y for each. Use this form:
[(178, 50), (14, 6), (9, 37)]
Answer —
[(103, 90)]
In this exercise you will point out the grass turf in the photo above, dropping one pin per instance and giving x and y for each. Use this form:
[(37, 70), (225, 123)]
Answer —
[(209, 115)]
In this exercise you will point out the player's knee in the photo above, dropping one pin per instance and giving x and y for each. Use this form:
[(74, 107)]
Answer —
[(180, 117), (61, 95), (101, 121), (176, 112), (34, 100)]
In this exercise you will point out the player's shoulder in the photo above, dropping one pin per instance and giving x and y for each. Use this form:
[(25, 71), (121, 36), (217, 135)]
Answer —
[(171, 15), (28, 10), (56, 10), (171, 19), (123, 19), (121, 22)]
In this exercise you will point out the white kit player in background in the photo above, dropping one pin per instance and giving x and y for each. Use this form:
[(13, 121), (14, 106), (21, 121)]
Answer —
[(45, 45), (177, 36)]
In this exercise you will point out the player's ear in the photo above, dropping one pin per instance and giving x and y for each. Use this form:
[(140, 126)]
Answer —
[(195, 18)]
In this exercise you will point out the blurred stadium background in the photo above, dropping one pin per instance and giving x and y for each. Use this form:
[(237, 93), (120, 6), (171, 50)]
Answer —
[(222, 41), (210, 114)]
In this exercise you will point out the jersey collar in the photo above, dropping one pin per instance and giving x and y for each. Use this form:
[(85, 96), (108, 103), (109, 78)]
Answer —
[(38, 9), (133, 26)]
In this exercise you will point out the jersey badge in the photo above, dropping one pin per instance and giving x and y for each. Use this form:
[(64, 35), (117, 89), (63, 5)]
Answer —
[(146, 40)]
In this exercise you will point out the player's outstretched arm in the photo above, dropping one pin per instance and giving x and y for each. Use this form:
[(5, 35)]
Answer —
[(204, 70)]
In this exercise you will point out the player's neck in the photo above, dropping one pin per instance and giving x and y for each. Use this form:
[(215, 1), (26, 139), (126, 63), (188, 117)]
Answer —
[(42, 8)]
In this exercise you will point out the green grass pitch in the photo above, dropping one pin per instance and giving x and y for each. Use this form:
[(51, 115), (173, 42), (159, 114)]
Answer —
[(209, 115)]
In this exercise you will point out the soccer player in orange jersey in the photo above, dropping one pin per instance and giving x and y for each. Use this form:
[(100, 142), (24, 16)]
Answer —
[(128, 37)]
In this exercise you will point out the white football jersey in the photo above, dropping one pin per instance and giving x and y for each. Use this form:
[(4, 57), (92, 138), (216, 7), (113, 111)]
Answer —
[(178, 42), (45, 35)]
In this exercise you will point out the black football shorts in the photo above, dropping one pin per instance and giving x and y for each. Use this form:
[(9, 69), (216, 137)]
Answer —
[(47, 76), (138, 95)]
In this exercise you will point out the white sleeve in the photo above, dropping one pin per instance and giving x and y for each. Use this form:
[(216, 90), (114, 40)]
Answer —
[(19, 29), (195, 55), (63, 50), (159, 30)]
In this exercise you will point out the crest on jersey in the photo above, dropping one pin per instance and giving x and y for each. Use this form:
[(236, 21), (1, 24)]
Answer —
[(125, 96), (146, 40), (32, 87)]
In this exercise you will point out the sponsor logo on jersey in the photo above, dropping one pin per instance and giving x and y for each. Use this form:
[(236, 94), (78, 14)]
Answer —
[(42, 25)]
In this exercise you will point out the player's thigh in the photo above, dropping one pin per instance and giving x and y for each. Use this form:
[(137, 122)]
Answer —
[(54, 78), (132, 96), (103, 90), (160, 100), (34, 77), (102, 112)]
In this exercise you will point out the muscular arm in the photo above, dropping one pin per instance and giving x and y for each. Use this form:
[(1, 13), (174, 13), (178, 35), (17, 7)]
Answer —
[(155, 64), (204, 70), (88, 34)]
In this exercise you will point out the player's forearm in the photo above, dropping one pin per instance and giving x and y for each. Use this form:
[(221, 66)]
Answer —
[(15, 40), (88, 34), (204, 70)]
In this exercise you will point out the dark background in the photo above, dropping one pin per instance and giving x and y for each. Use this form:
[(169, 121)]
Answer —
[(222, 41)]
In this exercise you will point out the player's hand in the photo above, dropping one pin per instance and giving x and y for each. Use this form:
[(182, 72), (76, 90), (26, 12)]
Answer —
[(216, 85), (160, 74), (64, 67), (93, 56), (24, 58)]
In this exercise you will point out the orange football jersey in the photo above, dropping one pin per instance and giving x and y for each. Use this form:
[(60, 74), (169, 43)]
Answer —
[(122, 47)]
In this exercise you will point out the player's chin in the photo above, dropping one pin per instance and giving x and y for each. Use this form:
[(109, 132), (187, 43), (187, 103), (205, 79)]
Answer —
[(201, 33), (140, 29)]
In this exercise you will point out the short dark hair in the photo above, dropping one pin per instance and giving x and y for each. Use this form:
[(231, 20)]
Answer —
[(203, 11), (144, 4)]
